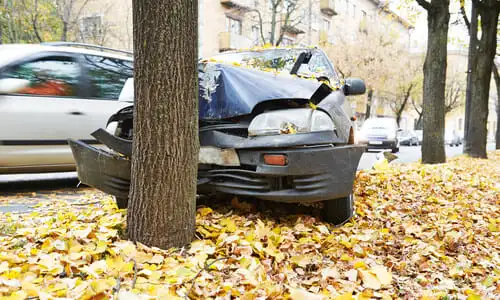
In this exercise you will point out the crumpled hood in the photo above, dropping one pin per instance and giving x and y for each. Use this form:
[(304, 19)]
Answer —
[(227, 91)]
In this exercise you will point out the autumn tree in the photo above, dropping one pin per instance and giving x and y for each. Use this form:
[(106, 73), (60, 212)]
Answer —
[(28, 21), (165, 146), (438, 17), (385, 65), (482, 50), (454, 96)]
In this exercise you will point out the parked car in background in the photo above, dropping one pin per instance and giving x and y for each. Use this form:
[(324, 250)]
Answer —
[(52, 92), (408, 138), (420, 136), (281, 136), (452, 138), (380, 133)]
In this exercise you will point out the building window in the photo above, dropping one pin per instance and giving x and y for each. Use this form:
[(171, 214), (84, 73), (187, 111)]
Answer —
[(255, 35), (233, 25), (91, 27), (325, 25), (314, 21), (287, 41)]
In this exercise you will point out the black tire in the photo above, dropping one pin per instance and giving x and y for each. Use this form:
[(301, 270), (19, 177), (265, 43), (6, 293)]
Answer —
[(122, 203), (395, 150), (338, 211)]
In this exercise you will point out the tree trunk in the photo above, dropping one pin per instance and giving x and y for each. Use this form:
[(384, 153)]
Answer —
[(64, 34), (402, 108), (419, 125), (497, 82), (165, 146), (480, 78), (438, 16), (369, 103), (273, 24)]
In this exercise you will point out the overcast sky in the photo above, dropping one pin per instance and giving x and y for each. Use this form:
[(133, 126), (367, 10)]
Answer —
[(458, 35)]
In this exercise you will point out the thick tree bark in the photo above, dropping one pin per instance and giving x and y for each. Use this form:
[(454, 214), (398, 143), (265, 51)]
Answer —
[(369, 103), (165, 147), (497, 82), (480, 78), (438, 16)]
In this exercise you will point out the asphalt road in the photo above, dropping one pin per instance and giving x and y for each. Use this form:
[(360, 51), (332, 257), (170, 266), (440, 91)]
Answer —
[(52, 181)]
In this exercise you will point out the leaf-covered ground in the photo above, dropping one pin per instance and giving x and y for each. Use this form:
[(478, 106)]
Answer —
[(430, 232)]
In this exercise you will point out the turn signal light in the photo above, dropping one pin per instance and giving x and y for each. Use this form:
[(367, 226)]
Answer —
[(275, 159)]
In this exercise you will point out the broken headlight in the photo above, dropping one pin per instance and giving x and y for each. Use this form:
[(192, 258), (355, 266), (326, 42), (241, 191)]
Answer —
[(290, 121)]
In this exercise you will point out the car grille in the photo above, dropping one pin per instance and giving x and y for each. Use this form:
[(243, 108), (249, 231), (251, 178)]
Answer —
[(258, 182)]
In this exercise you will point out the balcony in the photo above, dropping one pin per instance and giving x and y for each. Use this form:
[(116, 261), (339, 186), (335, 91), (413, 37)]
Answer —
[(328, 7), (326, 38), (233, 41), (242, 4), (363, 26)]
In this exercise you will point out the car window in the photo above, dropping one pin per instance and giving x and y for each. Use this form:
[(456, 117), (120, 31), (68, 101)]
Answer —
[(54, 76), (107, 76)]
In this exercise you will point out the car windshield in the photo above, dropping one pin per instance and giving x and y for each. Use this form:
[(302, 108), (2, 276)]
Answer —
[(378, 123), (281, 60)]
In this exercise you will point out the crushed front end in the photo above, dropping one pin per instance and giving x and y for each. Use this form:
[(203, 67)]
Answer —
[(273, 137)]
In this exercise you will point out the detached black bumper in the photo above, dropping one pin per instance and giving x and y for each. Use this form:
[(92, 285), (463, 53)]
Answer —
[(313, 173)]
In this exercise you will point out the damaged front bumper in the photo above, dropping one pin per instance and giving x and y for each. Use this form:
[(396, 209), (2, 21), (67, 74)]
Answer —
[(316, 168)]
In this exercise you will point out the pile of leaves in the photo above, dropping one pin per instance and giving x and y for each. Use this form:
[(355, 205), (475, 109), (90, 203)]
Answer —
[(420, 231)]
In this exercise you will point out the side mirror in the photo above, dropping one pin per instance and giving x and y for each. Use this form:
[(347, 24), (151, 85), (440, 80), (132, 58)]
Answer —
[(12, 85), (127, 93), (354, 86)]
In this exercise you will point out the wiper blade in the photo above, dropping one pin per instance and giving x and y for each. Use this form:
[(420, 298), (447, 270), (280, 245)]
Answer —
[(303, 58)]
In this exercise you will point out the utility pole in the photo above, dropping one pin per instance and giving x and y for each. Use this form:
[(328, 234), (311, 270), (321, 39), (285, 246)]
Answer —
[(470, 64)]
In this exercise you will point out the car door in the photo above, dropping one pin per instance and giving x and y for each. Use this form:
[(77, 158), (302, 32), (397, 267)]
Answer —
[(104, 80), (37, 119)]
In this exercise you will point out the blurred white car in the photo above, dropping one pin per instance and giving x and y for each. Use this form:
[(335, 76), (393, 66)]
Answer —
[(379, 133), (452, 138), (49, 93)]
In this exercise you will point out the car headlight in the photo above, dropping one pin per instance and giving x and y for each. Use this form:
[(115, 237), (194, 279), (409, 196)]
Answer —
[(287, 121), (391, 136)]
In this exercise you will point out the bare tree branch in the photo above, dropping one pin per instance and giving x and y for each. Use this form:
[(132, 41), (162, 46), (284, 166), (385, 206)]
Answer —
[(426, 5), (464, 15), (291, 8), (34, 21), (260, 25)]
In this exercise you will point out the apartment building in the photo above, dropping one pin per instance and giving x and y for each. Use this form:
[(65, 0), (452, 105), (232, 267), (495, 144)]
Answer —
[(234, 24)]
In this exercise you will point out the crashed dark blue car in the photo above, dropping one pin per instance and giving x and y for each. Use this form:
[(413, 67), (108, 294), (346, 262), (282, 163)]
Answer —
[(273, 124)]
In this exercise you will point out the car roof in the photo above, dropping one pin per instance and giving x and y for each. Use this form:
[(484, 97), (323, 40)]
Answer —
[(12, 52)]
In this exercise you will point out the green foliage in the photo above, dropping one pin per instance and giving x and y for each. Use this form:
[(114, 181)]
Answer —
[(29, 21)]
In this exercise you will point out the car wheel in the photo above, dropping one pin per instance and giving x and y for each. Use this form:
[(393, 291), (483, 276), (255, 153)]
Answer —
[(122, 203), (338, 211), (395, 149)]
